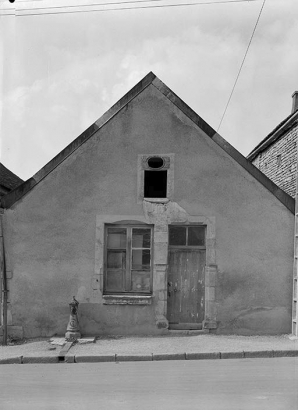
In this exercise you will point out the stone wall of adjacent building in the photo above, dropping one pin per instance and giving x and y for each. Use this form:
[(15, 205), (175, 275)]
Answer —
[(279, 161)]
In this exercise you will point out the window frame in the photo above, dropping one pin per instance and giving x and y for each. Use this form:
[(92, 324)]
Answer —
[(144, 166), (186, 246), (128, 263)]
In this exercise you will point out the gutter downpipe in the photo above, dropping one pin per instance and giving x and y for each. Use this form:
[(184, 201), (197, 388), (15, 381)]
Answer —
[(4, 281)]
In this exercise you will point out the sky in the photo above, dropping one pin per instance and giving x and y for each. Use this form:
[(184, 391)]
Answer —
[(60, 72)]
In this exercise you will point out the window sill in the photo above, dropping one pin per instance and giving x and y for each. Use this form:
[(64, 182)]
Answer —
[(127, 300), (157, 200)]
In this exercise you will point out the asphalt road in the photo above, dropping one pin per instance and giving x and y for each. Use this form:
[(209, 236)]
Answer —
[(238, 384)]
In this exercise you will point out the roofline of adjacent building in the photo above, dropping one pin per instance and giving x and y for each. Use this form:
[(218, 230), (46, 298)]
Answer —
[(15, 195), (286, 125)]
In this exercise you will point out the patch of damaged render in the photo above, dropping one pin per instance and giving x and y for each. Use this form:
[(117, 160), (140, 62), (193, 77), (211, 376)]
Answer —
[(263, 317), (163, 214)]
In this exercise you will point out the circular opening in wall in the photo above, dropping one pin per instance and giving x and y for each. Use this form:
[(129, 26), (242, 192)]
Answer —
[(155, 162)]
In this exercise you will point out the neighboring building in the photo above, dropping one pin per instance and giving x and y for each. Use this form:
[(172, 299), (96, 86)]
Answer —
[(276, 155), (153, 222), (8, 180)]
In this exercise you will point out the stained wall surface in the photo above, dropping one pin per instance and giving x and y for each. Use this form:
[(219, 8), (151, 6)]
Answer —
[(54, 241)]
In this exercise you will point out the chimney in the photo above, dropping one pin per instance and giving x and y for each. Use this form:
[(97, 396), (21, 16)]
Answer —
[(295, 102)]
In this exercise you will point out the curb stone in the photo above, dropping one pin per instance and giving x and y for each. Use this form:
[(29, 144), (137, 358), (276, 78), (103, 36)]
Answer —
[(258, 353), (134, 358), (285, 353), (148, 357), (95, 359), (12, 360), (39, 359), (169, 356), (69, 359), (232, 355), (202, 356)]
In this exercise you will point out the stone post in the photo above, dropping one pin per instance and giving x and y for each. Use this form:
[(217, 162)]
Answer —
[(73, 330)]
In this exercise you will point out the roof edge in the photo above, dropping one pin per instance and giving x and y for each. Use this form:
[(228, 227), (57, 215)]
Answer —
[(15, 195), (140, 86), (274, 135), (12, 197), (189, 112), (281, 195)]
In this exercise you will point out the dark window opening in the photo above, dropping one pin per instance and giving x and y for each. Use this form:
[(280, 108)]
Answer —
[(155, 162), (155, 183)]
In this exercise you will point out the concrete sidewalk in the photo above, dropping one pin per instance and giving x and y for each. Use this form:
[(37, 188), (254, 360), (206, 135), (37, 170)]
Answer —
[(117, 349)]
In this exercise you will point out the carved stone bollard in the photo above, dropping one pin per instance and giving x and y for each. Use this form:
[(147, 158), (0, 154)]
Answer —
[(73, 330)]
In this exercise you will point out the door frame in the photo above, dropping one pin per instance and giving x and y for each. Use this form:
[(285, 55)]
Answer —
[(209, 321)]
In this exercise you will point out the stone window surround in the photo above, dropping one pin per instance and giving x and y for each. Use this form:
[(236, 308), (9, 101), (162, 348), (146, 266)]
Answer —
[(158, 270), (130, 297), (169, 159)]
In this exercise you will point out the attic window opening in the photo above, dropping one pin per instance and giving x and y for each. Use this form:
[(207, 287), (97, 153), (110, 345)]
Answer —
[(155, 184)]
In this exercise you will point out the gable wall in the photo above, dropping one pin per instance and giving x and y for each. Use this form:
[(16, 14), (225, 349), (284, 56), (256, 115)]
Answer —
[(54, 250)]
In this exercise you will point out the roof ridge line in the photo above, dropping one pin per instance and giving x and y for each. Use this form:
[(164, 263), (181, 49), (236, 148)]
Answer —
[(102, 120), (281, 195), (9, 199), (13, 196)]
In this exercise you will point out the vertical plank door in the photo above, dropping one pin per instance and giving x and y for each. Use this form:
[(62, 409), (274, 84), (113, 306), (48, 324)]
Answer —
[(186, 290)]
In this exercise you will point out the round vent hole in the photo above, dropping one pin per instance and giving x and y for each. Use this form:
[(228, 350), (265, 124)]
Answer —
[(155, 162)]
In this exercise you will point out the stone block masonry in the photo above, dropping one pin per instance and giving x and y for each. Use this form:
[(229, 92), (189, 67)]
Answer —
[(279, 161)]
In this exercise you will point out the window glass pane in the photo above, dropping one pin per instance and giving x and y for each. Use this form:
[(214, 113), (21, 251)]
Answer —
[(116, 260), (177, 235), (140, 281), (140, 259), (196, 236), (116, 238), (115, 281), (141, 238)]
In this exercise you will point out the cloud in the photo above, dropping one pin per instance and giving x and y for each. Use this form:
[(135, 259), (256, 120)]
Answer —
[(67, 77)]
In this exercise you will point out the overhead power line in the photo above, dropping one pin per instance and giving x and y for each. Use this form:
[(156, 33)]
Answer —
[(65, 9), (240, 69)]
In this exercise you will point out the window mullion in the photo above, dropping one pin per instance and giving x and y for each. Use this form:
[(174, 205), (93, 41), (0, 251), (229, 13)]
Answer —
[(128, 260)]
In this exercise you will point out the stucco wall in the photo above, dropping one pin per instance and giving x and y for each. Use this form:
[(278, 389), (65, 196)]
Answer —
[(53, 249), (279, 161)]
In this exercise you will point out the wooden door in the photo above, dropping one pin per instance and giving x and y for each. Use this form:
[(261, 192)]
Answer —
[(186, 290)]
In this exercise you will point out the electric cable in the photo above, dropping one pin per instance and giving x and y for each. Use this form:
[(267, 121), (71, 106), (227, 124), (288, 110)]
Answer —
[(115, 9), (240, 69)]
